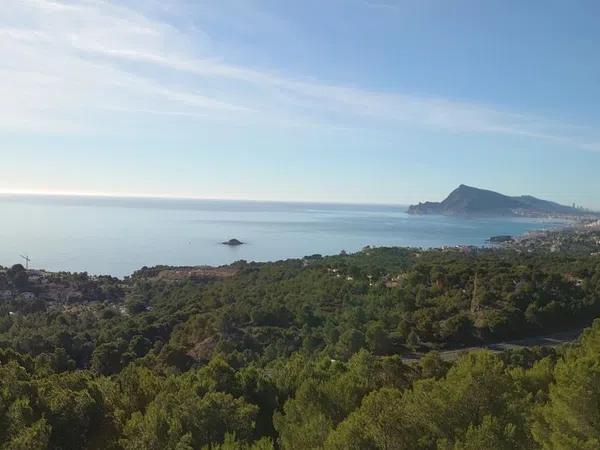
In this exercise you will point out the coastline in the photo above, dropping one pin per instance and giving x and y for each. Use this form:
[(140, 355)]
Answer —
[(527, 240), (118, 240)]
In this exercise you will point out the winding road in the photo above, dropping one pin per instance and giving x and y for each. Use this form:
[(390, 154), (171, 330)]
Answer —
[(549, 340)]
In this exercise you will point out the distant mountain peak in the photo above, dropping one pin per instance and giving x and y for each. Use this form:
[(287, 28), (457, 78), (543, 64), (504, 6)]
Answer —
[(471, 201)]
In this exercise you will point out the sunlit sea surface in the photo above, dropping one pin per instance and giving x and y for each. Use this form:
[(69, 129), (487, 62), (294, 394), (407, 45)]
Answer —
[(116, 236)]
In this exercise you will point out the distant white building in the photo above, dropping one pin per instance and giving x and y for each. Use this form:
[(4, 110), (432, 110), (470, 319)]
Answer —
[(35, 272), (37, 276)]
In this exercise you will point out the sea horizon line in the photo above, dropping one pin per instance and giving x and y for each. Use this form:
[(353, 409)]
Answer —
[(137, 196)]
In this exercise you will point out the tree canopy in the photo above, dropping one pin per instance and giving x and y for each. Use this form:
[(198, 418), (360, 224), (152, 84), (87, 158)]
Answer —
[(307, 354)]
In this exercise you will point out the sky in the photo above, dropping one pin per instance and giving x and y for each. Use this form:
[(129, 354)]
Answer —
[(376, 101)]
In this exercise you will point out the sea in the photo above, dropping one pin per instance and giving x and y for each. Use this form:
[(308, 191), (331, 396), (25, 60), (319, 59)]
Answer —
[(116, 236)]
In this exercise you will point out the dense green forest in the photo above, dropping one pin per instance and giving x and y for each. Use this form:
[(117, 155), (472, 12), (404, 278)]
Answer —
[(305, 354)]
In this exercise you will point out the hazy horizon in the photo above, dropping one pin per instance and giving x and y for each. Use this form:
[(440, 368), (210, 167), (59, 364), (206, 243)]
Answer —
[(134, 196), (116, 196)]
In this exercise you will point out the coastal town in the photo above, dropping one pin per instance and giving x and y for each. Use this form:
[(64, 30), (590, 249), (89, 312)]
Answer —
[(581, 238)]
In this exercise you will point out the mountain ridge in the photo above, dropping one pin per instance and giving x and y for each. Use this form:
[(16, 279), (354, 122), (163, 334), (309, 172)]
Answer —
[(471, 201)]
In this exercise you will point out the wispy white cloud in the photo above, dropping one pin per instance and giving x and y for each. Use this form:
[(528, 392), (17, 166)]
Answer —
[(64, 63)]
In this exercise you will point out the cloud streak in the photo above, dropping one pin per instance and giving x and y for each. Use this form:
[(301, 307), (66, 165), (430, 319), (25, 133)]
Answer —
[(65, 64)]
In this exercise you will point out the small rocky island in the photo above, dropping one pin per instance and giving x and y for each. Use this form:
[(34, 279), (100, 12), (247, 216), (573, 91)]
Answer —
[(233, 242)]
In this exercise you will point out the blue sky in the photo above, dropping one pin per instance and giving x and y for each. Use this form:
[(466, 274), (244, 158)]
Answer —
[(354, 100)]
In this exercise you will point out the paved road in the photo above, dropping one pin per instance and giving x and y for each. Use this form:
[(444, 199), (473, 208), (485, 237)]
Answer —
[(550, 340)]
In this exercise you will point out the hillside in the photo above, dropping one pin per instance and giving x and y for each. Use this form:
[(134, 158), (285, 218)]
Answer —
[(471, 201), (302, 354)]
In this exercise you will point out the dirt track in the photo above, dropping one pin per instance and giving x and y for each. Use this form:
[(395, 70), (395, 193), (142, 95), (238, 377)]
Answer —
[(549, 340)]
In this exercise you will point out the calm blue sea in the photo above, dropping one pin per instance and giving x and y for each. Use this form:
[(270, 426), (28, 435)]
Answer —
[(119, 235)]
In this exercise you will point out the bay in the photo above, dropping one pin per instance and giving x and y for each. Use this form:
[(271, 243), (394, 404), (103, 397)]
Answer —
[(116, 236)]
